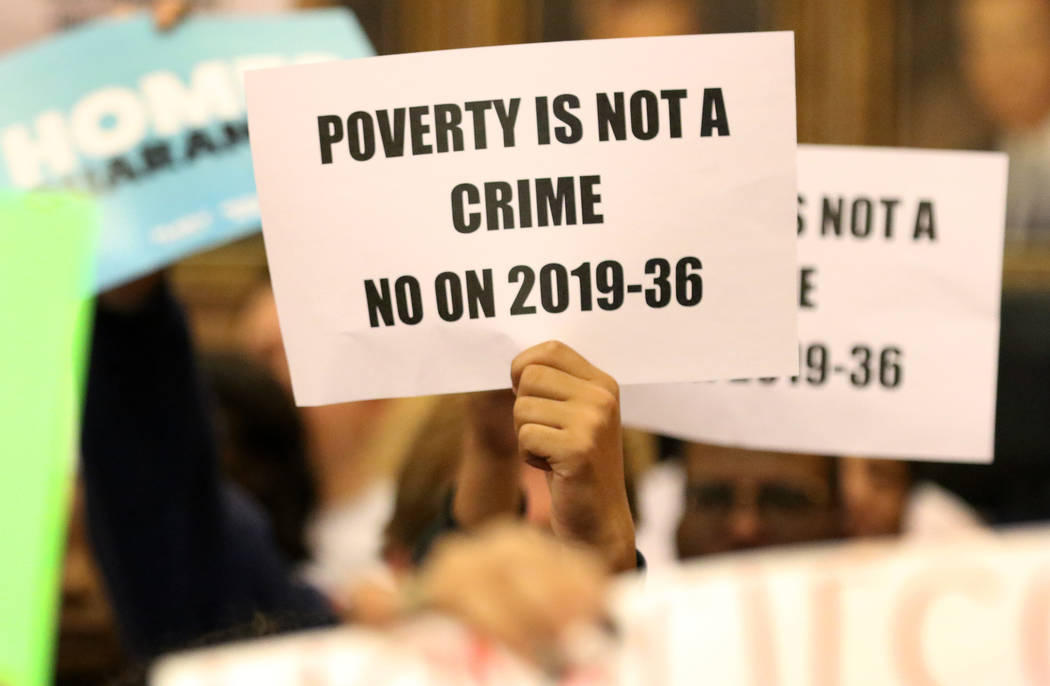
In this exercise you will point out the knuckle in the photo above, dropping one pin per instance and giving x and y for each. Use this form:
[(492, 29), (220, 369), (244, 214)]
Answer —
[(551, 347), (531, 375), (524, 406), (526, 434), (517, 365), (592, 420), (585, 444), (606, 402)]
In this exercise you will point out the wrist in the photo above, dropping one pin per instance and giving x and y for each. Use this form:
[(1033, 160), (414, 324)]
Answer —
[(609, 532), (618, 547)]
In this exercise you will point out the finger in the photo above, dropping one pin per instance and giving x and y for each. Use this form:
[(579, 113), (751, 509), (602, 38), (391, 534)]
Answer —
[(530, 409), (553, 354), (560, 356), (547, 382), (538, 443)]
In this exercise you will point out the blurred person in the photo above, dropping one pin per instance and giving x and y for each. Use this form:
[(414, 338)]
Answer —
[(445, 451), (508, 582), (870, 497), (183, 551), (258, 333), (874, 495), (260, 443), (24, 22), (738, 499), (885, 498), (1006, 58), (1015, 487), (353, 449), (630, 18), (660, 505), (427, 478), (424, 482), (552, 451), (88, 650), (185, 556), (518, 584), (963, 499), (262, 446), (468, 433)]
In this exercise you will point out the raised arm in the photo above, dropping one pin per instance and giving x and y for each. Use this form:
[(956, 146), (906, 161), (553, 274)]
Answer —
[(183, 554)]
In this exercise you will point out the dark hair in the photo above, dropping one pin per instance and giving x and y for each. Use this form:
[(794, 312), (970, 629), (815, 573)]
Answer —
[(262, 444)]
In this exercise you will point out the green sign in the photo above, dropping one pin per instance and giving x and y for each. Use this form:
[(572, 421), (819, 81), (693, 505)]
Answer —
[(46, 249)]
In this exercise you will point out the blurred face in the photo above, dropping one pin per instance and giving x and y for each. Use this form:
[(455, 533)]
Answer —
[(1006, 57), (739, 499), (88, 648), (874, 493)]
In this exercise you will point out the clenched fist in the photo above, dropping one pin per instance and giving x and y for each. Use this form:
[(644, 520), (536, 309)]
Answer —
[(509, 581), (567, 419)]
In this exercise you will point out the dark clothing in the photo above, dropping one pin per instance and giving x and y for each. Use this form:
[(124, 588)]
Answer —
[(1015, 488), (183, 553)]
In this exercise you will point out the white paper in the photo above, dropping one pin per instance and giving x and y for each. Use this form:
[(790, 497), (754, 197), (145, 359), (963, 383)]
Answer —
[(857, 614), (727, 200), (935, 301), (967, 612)]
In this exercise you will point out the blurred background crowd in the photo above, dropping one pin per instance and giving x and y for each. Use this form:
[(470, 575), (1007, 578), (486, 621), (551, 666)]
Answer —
[(350, 487)]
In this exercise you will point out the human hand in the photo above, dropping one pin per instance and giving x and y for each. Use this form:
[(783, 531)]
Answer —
[(509, 581), (168, 13), (567, 418), (518, 585)]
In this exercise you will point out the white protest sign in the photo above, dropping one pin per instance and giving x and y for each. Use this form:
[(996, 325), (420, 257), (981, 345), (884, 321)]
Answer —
[(429, 216), (900, 259), (972, 611), (855, 614)]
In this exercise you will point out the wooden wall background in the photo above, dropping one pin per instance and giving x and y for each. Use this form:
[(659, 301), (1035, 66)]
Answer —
[(869, 72)]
